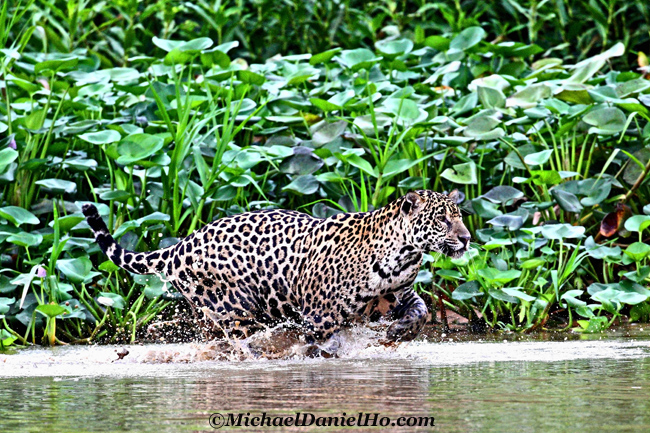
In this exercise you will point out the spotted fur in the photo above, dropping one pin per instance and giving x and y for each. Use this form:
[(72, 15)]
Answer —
[(256, 269)]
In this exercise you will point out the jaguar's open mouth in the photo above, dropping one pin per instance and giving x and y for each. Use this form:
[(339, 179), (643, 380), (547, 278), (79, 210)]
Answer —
[(454, 251)]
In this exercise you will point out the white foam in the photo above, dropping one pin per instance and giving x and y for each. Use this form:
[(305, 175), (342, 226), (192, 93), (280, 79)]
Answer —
[(276, 350)]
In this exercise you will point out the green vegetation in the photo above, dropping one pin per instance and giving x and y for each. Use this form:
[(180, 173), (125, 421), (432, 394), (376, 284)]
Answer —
[(170, 115)]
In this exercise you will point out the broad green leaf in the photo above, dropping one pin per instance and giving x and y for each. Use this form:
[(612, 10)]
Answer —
[(304, 161), (58, 65), (361, 164), (439, 43), (614, 296), (25, 239), (637, 223), (77, 270), (58, 185), (249, 77), (51, 310), (502, 296), (515, 292), (193, 45), (466, 39), (324, 57), (601, 252), (406, 110), (586, 69), (323, 133), (395, 47), (116, 195), (515, 49), (305, 185), (465, 104), (136, 147), (495, 276), (513, 159), (120, 75), (567, 201), (532, 263), (579, 96), (324, 105), (449, 275), (594, 324), (558, 231), (632, 87), (633, 169), (113, 300), (570, 298), (485, 209), (596, 191), (467, 290), (502, 194), (154, 287), (36, 119), (512, 222), (397, 166), (538, 158), (365, 123), (108, 266), (545, 177), (605, 121), (193, 101), (638, 251), (529, 96), (6, 338), (464, 174), (153, 217), (361, 58), (341, 99), (215, 57), (491, 97), (5, 304), (7, 156), (639, 275), (483, 128), (17, 215), (640, 313)]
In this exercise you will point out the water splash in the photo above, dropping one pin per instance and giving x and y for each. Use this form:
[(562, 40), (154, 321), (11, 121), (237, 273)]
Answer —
[(280, 347), (277, 343)]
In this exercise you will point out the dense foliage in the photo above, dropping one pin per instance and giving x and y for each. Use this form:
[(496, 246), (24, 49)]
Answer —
[(121, 103), (117, 30)]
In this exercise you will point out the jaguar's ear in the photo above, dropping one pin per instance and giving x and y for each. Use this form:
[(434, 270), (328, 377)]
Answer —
[(412, 203), (454, 196)]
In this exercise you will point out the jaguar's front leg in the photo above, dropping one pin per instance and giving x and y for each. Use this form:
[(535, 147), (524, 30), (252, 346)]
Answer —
[(411, 313), (321, 333)]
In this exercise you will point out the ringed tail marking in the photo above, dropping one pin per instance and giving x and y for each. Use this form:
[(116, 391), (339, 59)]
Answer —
[(138, 263)]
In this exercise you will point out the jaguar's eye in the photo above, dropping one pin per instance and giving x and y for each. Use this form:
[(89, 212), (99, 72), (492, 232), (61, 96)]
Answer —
[(443, 219)]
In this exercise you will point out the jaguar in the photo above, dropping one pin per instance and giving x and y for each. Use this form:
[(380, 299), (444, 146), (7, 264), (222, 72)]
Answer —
[(254, 270)]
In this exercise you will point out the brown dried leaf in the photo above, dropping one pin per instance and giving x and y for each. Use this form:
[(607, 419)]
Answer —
[(614, 220)]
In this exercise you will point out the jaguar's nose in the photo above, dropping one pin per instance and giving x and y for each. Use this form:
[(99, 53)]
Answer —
[(465, 239)]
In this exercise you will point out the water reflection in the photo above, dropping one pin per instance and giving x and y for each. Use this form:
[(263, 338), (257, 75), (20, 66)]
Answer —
[(581, 392)]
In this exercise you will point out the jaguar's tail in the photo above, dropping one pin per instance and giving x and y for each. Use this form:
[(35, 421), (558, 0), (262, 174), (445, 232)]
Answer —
[(138, 263)]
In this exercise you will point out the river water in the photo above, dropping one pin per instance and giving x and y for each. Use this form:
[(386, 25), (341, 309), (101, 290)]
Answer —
[(584, 384)]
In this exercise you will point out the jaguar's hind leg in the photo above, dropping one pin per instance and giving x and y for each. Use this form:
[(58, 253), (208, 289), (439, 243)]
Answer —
[(234, 315)]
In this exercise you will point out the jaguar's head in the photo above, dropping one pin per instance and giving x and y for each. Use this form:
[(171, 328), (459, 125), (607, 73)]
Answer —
[(435, 222)]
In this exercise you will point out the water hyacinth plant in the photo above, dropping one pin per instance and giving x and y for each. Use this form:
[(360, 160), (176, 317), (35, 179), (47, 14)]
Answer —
[(551, 153)]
